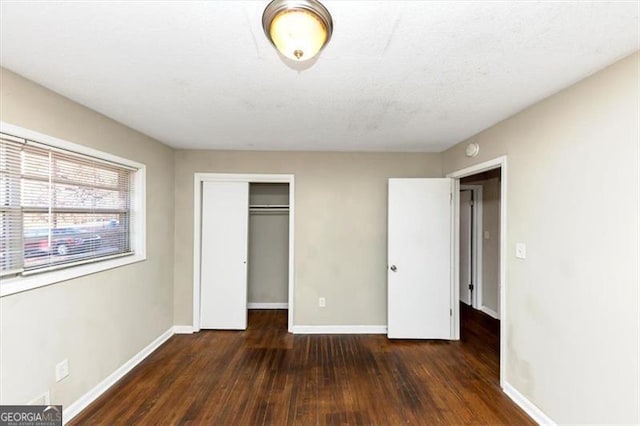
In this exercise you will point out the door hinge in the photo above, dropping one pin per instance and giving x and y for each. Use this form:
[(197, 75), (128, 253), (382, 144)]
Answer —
[(451, 197), (471, 287), (450, 312), (471, 203)]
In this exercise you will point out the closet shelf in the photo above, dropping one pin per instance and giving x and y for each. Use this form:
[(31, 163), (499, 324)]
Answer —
[(268, 208)]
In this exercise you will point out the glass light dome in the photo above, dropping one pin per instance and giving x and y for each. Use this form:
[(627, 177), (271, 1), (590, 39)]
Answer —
[(298, 29)]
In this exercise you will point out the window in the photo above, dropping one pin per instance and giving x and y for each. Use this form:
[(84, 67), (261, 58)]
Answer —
[(64, 208)]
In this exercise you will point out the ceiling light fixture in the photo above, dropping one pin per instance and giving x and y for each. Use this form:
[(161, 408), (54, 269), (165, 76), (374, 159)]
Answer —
[(299, 29)]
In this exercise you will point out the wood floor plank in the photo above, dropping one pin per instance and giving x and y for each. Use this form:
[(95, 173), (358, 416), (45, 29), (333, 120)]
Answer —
[(266, 376)]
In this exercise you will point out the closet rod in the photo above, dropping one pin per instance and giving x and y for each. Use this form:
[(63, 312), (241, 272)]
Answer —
[(268, 206)]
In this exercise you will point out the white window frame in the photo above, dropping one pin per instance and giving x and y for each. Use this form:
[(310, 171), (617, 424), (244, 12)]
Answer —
[(137, 232)]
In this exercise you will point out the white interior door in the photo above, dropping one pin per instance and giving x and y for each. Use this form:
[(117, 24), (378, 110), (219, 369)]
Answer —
[(465, 245), (225, 221), (419, 258)]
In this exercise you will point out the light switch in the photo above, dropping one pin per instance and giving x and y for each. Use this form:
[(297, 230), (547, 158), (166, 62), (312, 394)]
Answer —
[(521, 250), (486, 235)]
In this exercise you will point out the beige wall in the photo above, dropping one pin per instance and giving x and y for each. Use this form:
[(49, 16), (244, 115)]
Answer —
[(269, 193), (268, 272), (491, 245), (99, 321), (572, 305), (340, 226)]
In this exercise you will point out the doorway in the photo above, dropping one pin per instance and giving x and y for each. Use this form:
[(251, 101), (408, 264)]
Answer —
[(480, 241), (470, 240), (225, 209), (492, 303)]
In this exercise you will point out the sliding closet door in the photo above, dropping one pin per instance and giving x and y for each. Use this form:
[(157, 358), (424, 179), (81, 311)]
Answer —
[(225, 220)]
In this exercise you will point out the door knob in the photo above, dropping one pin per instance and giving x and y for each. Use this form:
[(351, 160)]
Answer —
[(393, 268)]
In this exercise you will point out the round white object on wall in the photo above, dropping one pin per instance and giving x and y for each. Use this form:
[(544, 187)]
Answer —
[(472, 149)]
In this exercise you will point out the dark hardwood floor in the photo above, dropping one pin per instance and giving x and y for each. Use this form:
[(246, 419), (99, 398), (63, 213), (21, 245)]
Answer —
[(266, 376)]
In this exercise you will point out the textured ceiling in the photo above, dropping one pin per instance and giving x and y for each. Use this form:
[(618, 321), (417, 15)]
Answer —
[(396, 76)]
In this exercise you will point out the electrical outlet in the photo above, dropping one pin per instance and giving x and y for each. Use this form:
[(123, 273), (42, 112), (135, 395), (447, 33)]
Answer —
[(322, 302), (62, 370), (44, 399)]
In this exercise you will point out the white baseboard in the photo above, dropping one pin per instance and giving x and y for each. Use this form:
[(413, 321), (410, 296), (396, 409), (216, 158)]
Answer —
[(339, 329), (259, 305), (81, 403), (182, 329), (490, 312), (534, 412)]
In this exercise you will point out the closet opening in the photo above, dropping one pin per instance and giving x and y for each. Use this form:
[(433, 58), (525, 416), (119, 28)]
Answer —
[(243, 244), (268, 256)]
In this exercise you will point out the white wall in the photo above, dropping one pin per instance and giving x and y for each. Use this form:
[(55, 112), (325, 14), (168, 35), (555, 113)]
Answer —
[(99, 321), (572, 304)]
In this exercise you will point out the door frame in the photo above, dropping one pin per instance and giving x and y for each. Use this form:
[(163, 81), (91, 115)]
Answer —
[(476, 249), (198, 179), (501, 163)]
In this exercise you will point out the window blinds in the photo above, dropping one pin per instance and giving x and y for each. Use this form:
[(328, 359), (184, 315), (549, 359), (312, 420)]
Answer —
[(10, 209), (59, 207)]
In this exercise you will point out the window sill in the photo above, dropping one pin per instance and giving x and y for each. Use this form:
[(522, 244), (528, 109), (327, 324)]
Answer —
[(23, 283)]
